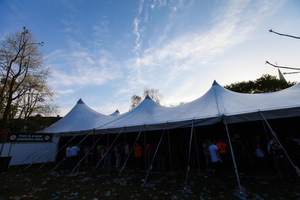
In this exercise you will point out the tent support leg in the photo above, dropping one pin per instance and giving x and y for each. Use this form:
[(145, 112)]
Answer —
[(294, 166), (170, 157), (150, 168), (233, 158), (189, 157), (145, 154), (197, 150), (273, 156), (130, 152)]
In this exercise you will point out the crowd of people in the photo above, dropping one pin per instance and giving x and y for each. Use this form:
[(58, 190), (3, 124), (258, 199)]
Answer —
[(260, 157), (113, 157), (256, 155)]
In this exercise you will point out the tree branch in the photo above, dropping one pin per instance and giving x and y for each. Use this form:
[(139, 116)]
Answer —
[(295, 37)]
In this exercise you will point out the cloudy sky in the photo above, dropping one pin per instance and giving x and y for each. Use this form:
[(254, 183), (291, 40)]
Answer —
[(105, 51)]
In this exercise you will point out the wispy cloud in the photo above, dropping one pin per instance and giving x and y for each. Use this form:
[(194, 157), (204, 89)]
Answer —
[(191, 51), (82, 66)]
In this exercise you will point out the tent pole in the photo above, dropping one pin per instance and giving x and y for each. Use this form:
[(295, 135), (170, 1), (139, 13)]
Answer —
[(189, 156), (170, 157), (197, 150), (233, 158), (93, 143), (87, 153), (145, 146), (150, 168), (294, 166), (130, 152), (65, 157), (273, 156), (109, 147)]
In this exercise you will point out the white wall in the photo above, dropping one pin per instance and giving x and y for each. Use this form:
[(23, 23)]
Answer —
[(27, 153)]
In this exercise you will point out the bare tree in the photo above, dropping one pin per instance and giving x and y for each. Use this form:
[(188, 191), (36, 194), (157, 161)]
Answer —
[(152, 93), (135, 100), (22, 74)]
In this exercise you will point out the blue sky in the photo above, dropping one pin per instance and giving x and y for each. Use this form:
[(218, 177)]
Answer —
[(105, 51)]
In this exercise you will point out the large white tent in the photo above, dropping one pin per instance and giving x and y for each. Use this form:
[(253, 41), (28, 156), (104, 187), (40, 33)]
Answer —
[(216, 104)]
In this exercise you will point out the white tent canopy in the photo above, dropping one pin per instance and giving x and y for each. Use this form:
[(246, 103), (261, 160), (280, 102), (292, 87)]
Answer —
[(80, 118), (216, 104)]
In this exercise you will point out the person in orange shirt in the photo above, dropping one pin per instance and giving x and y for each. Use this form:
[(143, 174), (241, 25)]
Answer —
[(138, 151)]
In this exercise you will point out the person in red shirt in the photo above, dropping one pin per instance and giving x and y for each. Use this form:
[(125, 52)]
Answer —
[(138, 151)]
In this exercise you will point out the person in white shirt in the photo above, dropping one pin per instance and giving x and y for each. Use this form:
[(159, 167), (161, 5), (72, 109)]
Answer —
[(68, 157), (215, 159), (74, 152)]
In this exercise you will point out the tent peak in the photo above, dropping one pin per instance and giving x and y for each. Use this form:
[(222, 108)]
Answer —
[(80, 101), (148, 97), (215, 83)]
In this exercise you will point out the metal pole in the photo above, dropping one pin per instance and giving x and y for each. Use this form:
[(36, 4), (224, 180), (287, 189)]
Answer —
[(188, 168), (233, 158), (109, 147), (150, 168), (57, 151), (130, 152), (65, 157), (197, 151), (87, 153), (170, 154)]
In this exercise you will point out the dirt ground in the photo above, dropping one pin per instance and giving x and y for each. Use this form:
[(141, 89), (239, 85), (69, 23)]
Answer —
[(18, 183)]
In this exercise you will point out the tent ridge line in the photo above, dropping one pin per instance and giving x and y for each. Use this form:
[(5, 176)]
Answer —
[(219, 102)]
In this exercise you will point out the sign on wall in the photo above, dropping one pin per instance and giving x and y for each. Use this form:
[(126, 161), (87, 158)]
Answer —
[(28, 137)]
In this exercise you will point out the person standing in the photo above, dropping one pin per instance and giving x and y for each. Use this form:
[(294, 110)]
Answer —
[(223, 152), (215, 159), (68, 157), (118, 155), (259, 154), (74, 155), (138, 151), (206, 145)]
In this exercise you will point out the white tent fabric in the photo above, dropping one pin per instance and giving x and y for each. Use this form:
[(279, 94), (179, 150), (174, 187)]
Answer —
[(27, 153), (216, 104), (80, 118)]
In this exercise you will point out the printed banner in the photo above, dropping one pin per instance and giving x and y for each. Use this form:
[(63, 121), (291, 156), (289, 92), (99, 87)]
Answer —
[(22, 137)]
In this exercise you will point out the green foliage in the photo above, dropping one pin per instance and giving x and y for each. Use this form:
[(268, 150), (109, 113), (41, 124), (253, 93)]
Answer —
[(266, 83)]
